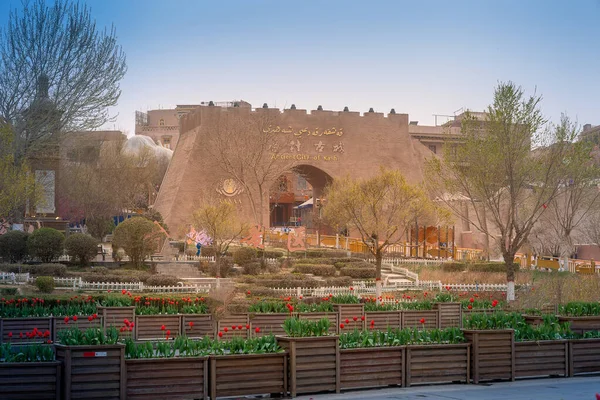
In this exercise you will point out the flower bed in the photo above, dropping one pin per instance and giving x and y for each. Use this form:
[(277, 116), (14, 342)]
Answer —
[(114, 316), (268, 323), (350, 315), (29, 372), (424, 363), (181, 378), (581, 325), (82, 322), (234, 326), (316, 316), (371, 367)]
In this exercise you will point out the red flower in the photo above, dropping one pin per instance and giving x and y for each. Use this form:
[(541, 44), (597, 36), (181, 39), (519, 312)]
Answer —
[(351, 288), (355, 318), (300, 297), (47, 333), (225, 329), (131, 325), (123, 291), (168, 333), (191, 324), (470, 307), (95, 315), (257, 330), (471, 300), (347, 321), (422, 320), (66, 320), (362, 318), (21, 335), (126, 321), (90, 318), (162, 328), (130, 328), (248, 293), (247, 326), (341, 326), (220, 334), (372, 322), (9, 334), (240, 327), (448, 288), (233, 327), (494, 303), (75, 318)]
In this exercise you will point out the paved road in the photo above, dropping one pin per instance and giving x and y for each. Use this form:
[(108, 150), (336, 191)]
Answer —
[(580, 388)]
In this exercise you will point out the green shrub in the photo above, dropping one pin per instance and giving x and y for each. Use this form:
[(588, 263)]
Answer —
[(10, 291), (162, 280), (244, 255), (454, 267), (338, 281), (252, 268), (323, 253), (35, 269), (316, 269), (282, 280), (358, 273), (46, 244), (13, 246), (132, 236), (347, 262), (45, 284), (487, 267), (330, 261), (260, 253), (82, 248)]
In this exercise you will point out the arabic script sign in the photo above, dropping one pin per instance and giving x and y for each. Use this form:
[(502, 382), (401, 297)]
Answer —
[(305, 131)]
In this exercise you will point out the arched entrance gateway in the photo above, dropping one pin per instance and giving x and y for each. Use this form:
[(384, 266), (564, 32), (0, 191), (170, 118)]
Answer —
[(245, 156)]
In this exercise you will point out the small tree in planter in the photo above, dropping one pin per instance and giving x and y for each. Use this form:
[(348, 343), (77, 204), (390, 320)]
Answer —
[(92, 356), (82, 248), (27, 371), (314, 352)]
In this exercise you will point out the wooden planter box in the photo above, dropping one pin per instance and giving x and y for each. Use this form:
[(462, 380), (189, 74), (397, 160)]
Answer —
[(92, 371), (82, 323), (203, 325), (167, 378), (148, 327), (115, 316), (316, 316), (533, 320), (371, 367), (24, 325), (449, 315), (492, 354), (437, 363), (237, 321), (544, 358), (31, 380), (584, 356), (314, 363), (348, 312), (412, 318), (383, 320), (268, 323), (248, 374), (581, 325)]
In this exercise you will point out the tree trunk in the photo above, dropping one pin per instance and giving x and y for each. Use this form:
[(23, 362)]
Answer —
[(218, 261), (509, 260), (378, 261)]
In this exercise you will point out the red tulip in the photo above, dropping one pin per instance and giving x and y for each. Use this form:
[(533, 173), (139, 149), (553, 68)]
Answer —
[(123, 291), (471, 300), (362, 318), (21, 335), (131, 325), (240, 327), (341, 326), (233, 327), (75, 318), (372, 322), (66, 320), (162, 328), (225, 329), (300, 297), (247, 326), (220, 334), (191, 324), (422, 320), (257, 330), (130, 328), (347, 321), (470, 307), (10, 334), (168, 333), (95, 315), (248, 293), (90, 318), (47, 333), (494, 303), (351, 288)]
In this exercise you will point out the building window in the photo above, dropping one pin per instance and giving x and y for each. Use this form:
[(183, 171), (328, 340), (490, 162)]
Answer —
[(161, 122), (167, 142), (433, 148)]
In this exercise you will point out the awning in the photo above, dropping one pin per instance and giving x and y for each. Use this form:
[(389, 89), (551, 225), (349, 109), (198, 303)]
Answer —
[(306, 204)]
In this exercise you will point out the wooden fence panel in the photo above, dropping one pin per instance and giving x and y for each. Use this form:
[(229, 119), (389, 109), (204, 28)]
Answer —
[(203, 325), (371, 367), (149, 327), (548, 357), (19, 327), (412, 319), (492, 354), (31, 380), (383, 319), (437, 363), (584, 356)]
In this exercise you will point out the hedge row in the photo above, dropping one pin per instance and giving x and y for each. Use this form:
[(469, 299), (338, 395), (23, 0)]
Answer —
[(358, 273), (474, 267), (36, 269), (316, 269)]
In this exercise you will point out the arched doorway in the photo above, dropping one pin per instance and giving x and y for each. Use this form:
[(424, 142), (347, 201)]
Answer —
[(296, 197)]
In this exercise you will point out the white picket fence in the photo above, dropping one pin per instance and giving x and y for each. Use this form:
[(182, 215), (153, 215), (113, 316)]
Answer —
[(405, 272), (407, 261), (13, 278), (78, 283)]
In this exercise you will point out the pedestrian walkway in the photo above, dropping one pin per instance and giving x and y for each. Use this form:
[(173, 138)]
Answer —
[(579, 388)]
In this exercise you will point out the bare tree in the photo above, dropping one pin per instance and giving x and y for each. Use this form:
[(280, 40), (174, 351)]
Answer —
[(380, 209), (496, 170), (246, 149), (54, 54)]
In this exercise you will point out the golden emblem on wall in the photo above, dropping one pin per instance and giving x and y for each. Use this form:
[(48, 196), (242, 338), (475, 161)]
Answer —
[(229, 187)]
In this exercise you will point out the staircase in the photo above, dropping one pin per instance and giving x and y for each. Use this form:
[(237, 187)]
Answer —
[(398, 278), (179, 269)]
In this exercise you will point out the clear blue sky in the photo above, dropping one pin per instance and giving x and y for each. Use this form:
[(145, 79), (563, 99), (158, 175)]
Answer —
[(419, 57)]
